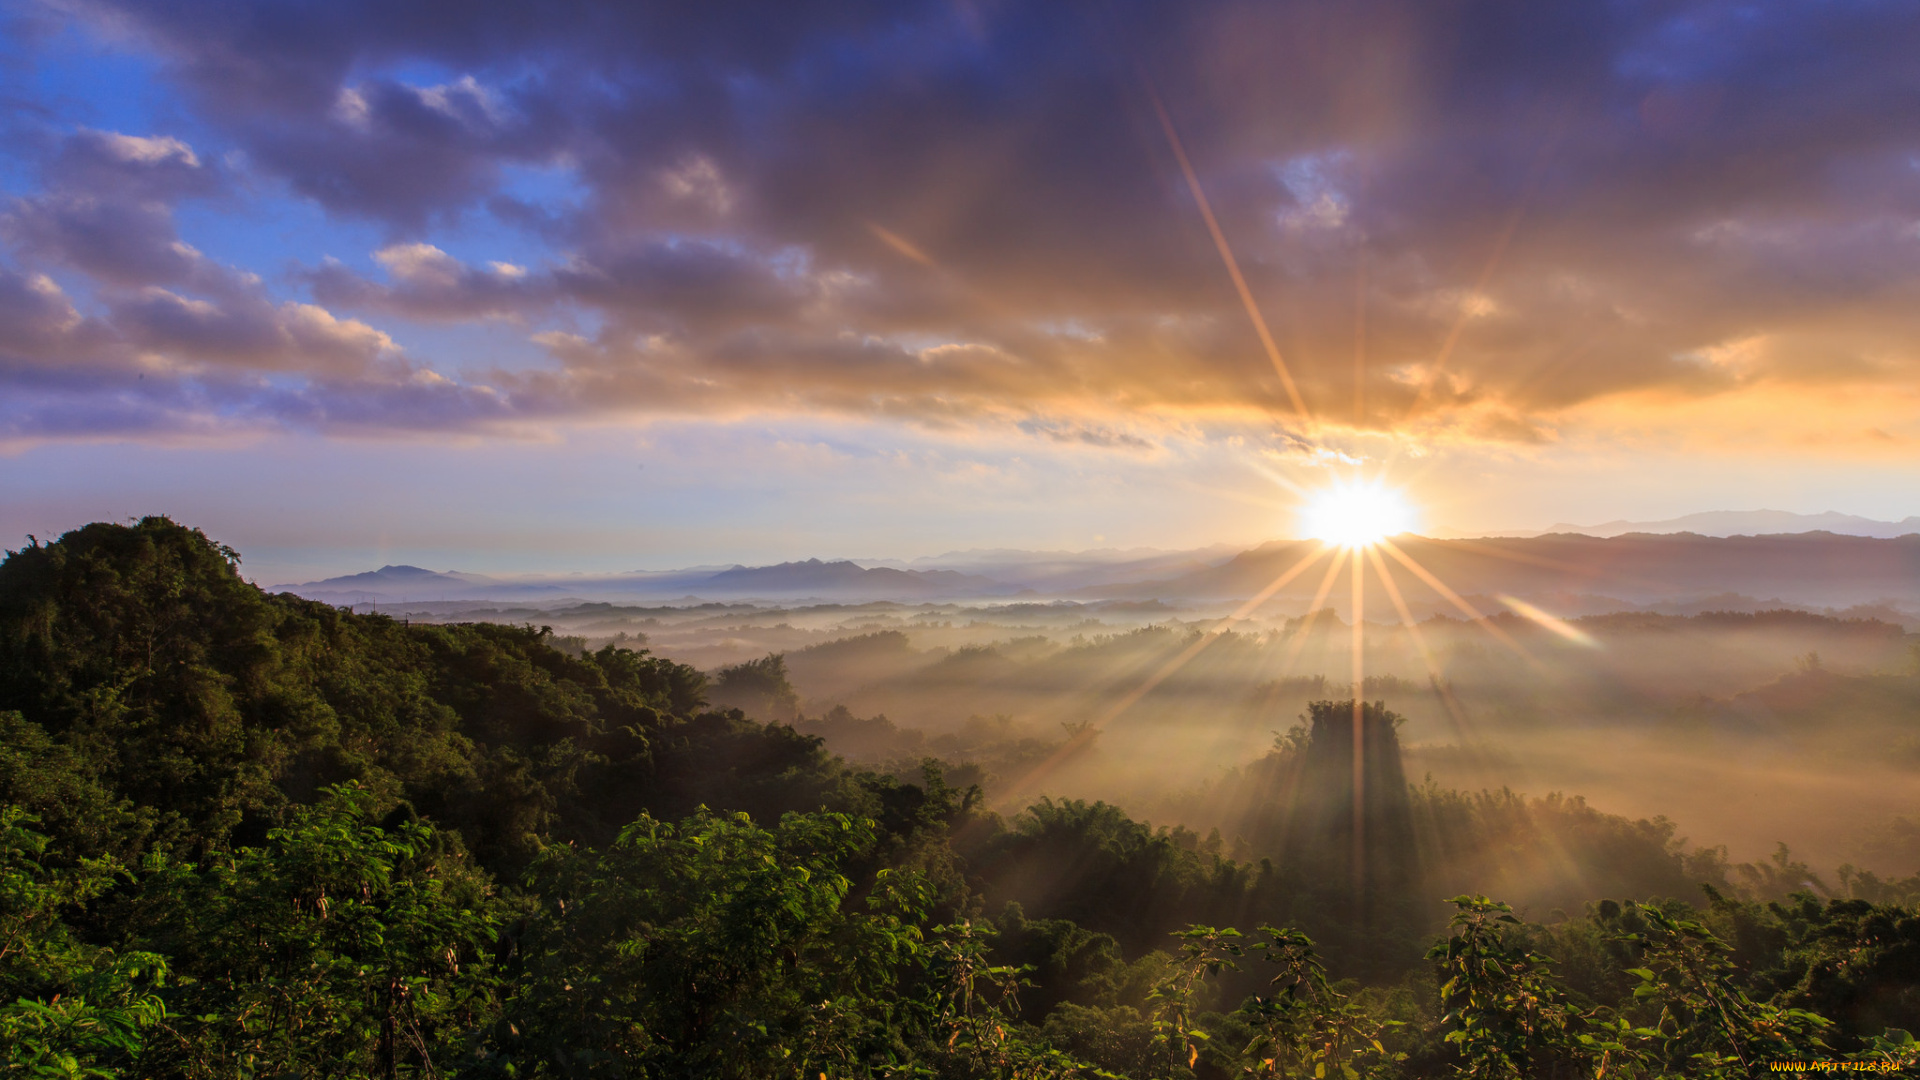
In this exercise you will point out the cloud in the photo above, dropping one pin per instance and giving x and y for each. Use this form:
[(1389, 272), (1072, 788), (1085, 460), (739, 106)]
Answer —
[(425, 283), (138, 167), (398, 152), (1101, 437), (35, 315), (156, 363), (107, 211), (1514, 212), (119, 243), (253, 334)]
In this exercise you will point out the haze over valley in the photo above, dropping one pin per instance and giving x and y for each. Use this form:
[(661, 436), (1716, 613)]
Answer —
[(1748, 687)]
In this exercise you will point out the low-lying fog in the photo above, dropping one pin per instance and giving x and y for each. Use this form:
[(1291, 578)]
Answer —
[(1746, 729)]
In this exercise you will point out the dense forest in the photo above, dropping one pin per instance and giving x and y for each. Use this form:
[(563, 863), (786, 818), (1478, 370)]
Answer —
[(253, 835)]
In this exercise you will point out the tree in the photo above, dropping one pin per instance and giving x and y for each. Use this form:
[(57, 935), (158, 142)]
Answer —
[(71, 1009), (715, 948), (1306, 1028), (759, 687), (344, 946), (1503, 1012)]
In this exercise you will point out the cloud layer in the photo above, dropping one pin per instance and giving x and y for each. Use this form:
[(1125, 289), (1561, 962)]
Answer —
[(1473, 221)]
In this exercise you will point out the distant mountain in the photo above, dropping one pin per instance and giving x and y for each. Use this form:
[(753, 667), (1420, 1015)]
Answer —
[(1752, 523), (405, 582), (1058, 572), (813, 578), (849, 579), (392, 584), (1816, 568), (388, 576), (1567, 573)]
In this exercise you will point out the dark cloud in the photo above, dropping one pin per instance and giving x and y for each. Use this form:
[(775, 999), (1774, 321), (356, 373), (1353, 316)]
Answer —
[(35, 315), (253, 334), (107, 211), (947, 211), (158, 363), (153, 168), (400, 153), (120, 243), (173, 407)]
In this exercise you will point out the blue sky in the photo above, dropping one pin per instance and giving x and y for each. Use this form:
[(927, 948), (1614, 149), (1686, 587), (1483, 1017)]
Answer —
[(588, 286)]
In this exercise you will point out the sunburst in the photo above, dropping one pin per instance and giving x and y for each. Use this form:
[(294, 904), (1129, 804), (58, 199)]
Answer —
[(1356, 513), (1355, 519)]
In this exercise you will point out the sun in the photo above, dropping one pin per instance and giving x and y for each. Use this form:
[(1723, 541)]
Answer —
[(1356, 513)]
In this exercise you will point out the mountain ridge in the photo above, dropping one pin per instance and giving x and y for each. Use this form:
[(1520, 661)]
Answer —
[(1727, 523), (1637, 568)]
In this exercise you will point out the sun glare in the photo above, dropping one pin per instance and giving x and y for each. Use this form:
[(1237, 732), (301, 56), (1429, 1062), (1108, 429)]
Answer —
[(1356, 514)]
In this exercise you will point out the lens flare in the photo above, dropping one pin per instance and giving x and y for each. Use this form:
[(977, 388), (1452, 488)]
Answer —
[(1356, 514), (1559, 626)]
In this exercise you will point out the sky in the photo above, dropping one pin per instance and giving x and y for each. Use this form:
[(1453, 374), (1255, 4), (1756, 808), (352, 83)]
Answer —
[(605, 286)]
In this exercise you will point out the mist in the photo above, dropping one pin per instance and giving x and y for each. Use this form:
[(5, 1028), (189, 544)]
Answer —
[(1737, 723)]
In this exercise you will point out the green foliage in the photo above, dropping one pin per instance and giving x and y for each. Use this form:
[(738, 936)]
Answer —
[(98, 1029), (1706, 1024), (977, 1006), (343, 946), (1119, 1040), (760, 687), (1689, 1014), (167, 701), (1061, 957), (1204, 952), (72, 1010), (1553, 851), (1306, 1027), (62, 789), (1503, 1012), (716, 948), (1852, 961), (1093, 865)]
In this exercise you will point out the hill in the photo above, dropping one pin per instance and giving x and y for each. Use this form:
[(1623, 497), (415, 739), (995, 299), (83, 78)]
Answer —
[(1753, 523), (1808, 568), (848, 580), (840, 580)]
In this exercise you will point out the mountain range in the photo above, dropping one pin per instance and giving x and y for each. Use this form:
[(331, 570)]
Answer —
[(1752, 523), (840, 579), (1575, 572), (1570, 572)]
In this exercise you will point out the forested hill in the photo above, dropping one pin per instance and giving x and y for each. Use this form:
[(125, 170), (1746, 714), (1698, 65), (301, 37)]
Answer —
[(245, 834), (207, 707)]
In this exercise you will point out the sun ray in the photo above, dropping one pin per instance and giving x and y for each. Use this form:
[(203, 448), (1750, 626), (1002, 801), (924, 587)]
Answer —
[(1313, 613), (902, 245), (1359, 720), (1457, 600), (1558, 625), (1360, 339), (1588, 571), (1460, 322), (1279, 480), (1535, 170), (1264, 501), (1233, 265), (1517, 556), (1086, 734), (1232, 741), (1461, 725)]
